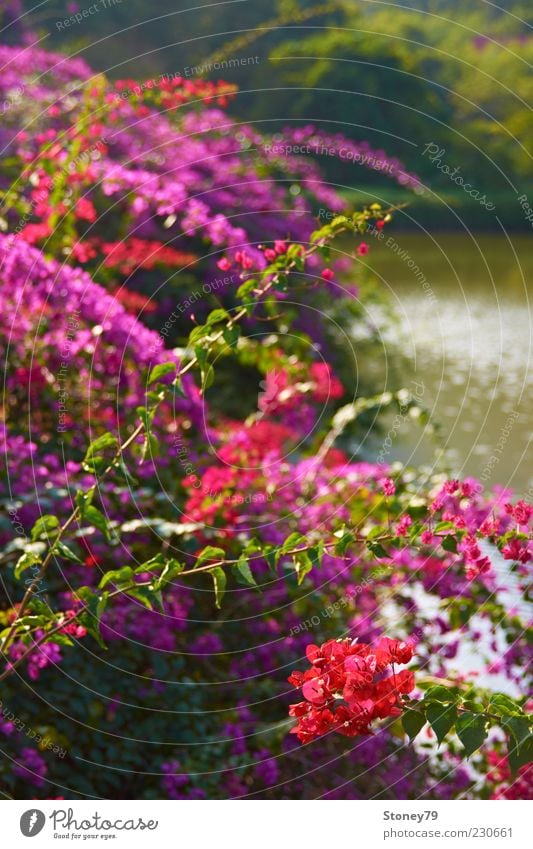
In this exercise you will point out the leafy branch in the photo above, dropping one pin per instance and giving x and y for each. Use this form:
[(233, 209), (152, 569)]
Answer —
[(471, 715), (203, 340)]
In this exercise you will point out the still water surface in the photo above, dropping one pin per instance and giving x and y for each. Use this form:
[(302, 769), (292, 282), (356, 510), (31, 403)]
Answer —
[(464, 333)]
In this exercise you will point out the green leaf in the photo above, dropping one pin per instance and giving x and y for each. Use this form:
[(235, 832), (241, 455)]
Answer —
[(159, 371), (520, 756), (521, 741), (316, 554), (246, 289), (26, 561), (345, 539), (281, 284), (201, 355), (120, 577), (178, 387), (520, 728), (153, 397), (449, 543), (146, 416), (62, 639), (413, 722), (84, 500), (271, 555), (37, 605), (209, 553), (444, 526), (291, 542), (219, 580), (439, 693), (145, 595), (441, 718), (243, 573), (231, 336), (208, 377), (252, 546), (125, 472), (302, 564), (153, 565), (503, 705), (107, 440), (471, 729), (150, 447), (95, 606), (93, 516), (377, 549), (216, 316), (26, 623), (474, 707), (207, 371), (197, 334), (44, 526), (171, 570), (67, 552), (100, 453)]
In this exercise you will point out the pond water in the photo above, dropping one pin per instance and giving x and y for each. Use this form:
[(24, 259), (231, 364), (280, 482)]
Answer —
[(463, 332)]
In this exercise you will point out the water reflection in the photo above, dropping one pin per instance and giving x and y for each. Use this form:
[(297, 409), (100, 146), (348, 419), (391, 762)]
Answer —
[(466, 335)]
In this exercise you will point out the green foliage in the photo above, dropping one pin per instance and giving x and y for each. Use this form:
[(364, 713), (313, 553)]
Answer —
[(159, 371), (26, 561), (470, 714), (44, 527), (100, 453), (219, 580)]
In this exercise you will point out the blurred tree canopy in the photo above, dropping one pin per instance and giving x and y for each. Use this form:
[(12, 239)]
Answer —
[(456, 73)]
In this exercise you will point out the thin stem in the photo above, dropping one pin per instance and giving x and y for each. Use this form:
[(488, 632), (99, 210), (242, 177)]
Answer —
[(241, 313), (414, 707), (120, 450), (60, 627), (194, 571)]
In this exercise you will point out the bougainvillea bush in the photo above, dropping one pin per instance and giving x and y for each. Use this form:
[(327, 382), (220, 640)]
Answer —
[(206, 592)]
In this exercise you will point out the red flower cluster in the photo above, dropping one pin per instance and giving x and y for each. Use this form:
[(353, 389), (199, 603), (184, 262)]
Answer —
[(476, 563), (73, 629), (134, 302), (327, 387), (283, 390), (347, 687), (218, 492), (176, 90), (521, 512), (132, 254)]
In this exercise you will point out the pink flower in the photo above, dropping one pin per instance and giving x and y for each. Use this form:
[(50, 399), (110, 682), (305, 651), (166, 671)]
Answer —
[(403, 526), (363, 249), (327, 386), (327, 274), (451, 486), (242, 259), (387, 485), (521, 512), (85, 210), (514, 550), (478, 567), (314, 691)]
